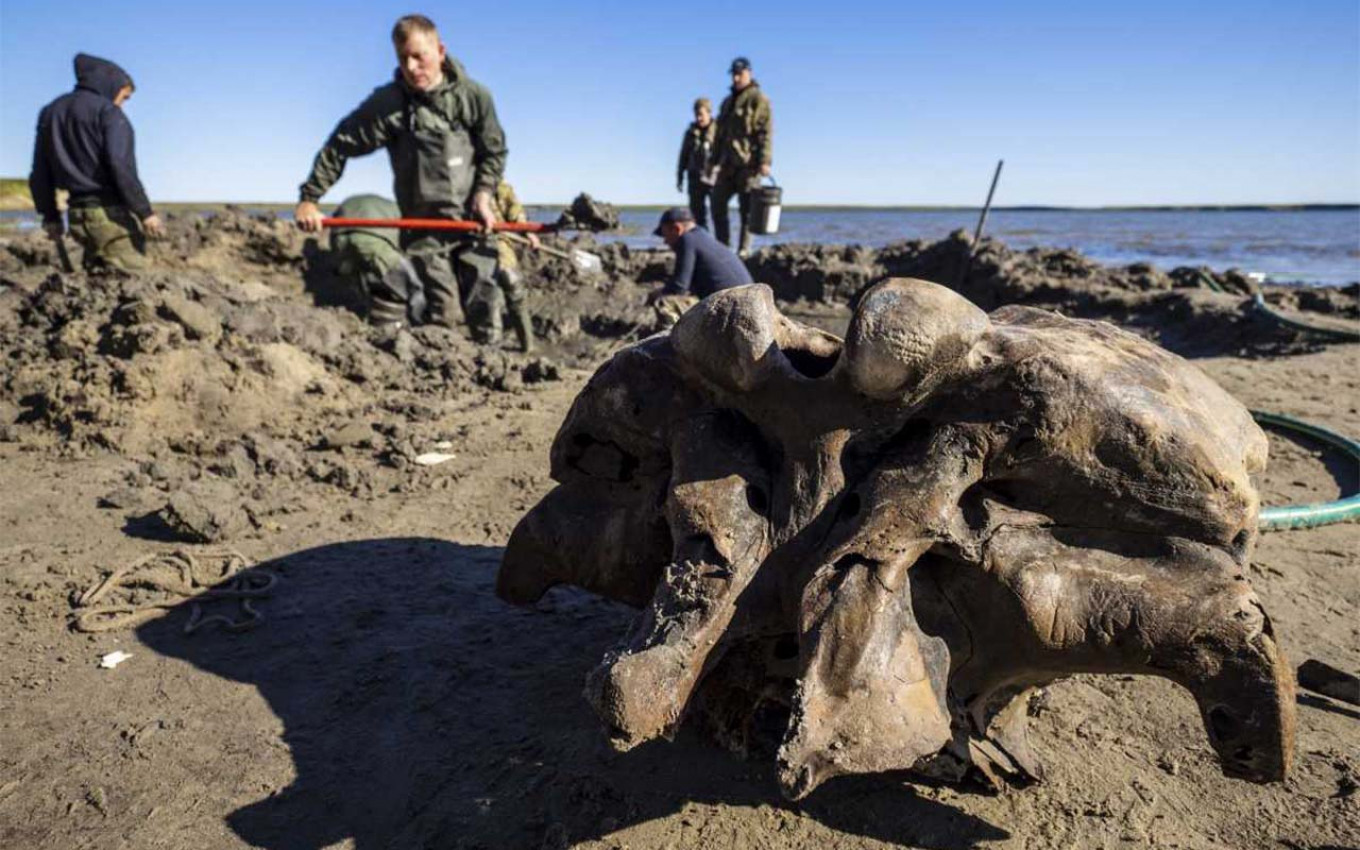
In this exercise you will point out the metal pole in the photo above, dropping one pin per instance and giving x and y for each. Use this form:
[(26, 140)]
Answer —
[(967, 265), (987, 207)]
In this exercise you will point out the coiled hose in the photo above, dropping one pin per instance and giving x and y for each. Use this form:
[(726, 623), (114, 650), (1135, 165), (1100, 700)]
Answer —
[(1320, 513)]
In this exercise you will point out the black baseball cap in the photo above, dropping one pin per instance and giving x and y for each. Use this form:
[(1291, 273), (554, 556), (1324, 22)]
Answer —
[(741, 63), (671, 216)]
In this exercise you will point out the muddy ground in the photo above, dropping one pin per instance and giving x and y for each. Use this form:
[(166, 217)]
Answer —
[(386, 698)]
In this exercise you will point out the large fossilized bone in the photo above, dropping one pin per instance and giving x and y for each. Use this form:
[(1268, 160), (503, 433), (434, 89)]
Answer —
[(898, 535)]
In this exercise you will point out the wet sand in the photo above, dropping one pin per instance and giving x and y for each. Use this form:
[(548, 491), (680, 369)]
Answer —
[(388, 699)]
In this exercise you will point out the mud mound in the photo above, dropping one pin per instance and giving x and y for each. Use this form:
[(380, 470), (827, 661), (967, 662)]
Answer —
[(225, 335), (586, 213), (1193, 311), (218, 341)]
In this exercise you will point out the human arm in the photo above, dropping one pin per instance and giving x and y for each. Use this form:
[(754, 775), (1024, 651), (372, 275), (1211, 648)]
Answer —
[(366, 129), (685, 260), (762, 136), (686, 150), (488, 143), (489, 151), (41, 185), (120, 157)]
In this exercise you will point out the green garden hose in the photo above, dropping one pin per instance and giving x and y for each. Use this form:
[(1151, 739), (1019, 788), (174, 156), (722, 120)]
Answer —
[(1336, 334), (1320, 513)]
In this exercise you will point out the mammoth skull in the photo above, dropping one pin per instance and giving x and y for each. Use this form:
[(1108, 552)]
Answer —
[(895, 537)]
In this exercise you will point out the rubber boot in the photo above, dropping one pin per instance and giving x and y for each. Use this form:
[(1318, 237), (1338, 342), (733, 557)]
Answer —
[(523, 325), (484, 306), (744, 249)]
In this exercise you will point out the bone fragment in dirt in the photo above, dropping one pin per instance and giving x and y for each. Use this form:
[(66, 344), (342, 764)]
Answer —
[(894, 538)]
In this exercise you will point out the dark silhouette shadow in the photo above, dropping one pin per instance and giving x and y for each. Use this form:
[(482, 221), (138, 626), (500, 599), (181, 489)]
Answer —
[(321, 280), (421, 711), (151, 526), (1325, 704)]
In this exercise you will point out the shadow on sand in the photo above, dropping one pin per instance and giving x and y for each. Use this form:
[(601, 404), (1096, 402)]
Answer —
[(421, 711)]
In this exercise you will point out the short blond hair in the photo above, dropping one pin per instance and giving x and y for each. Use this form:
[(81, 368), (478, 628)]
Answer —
[(703, 103), (407, 25)]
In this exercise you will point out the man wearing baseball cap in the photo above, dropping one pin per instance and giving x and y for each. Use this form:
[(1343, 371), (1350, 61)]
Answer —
[(703, 266), (743, 151)]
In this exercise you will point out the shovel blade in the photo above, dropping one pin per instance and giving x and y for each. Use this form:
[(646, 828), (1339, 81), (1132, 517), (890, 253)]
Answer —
[(587, 263)]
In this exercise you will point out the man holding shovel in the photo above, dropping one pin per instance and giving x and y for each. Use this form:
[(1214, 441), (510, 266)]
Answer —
[(448, 152)]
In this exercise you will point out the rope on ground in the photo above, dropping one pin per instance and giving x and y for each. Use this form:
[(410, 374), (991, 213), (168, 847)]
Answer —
[(1321, 513), (214, 574), (1336, 334)]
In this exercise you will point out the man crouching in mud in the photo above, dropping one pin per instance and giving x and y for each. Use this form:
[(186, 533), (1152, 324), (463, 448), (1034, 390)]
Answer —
[(85, 146), (703, 266), (448, 151)]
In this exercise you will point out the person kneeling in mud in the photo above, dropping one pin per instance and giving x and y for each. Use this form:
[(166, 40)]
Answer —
[(370, 263), (509, 280), (703, 266)]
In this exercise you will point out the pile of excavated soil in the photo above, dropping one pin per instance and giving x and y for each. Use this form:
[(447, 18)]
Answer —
[(242, 324), (386, 698), (225, 338), (1193, 311)]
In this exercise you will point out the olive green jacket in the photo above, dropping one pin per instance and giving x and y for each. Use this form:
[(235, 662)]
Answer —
[(745, 139), (444, 145), (365, 238), (696, 152)]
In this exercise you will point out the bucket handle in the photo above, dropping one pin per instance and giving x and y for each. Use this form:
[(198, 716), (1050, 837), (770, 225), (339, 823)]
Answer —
[(770, 177)]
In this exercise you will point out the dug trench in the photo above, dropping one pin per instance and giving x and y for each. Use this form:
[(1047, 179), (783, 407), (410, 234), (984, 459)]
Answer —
[(386, 698)]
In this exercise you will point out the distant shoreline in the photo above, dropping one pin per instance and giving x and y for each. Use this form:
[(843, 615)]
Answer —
[(190, 205), (16, 200)]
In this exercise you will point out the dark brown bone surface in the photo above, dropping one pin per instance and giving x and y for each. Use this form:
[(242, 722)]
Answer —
[(897, 536)]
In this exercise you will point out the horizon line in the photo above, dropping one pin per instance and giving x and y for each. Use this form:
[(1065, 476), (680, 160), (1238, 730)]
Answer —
[(651, 206)]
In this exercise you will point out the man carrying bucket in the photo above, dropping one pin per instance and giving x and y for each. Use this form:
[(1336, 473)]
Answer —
[(743, 149), (448, 153)]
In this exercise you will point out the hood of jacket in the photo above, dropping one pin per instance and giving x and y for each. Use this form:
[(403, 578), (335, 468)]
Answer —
[(100, 76)]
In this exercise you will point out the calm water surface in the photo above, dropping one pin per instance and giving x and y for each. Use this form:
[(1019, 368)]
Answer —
[(1308, 246)]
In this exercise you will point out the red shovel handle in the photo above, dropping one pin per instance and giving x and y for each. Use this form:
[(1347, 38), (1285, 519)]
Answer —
[(437, 224)]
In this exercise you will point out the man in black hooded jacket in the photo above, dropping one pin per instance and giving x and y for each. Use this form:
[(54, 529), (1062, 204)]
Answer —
[(85, 146)]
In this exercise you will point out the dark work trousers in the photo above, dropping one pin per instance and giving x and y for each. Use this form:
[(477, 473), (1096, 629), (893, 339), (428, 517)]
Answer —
[(698, 201), (732, 183), (455, 270)]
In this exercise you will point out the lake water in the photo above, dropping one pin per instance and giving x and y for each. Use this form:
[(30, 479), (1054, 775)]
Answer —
[(1286, 246), (1308, 246)]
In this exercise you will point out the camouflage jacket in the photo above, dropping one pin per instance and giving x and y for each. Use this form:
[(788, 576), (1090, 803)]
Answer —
[(745, 139), (444, 144), (696, 152), (508, 207)]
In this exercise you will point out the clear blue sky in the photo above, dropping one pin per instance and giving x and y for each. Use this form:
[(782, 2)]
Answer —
[(875, 102)]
